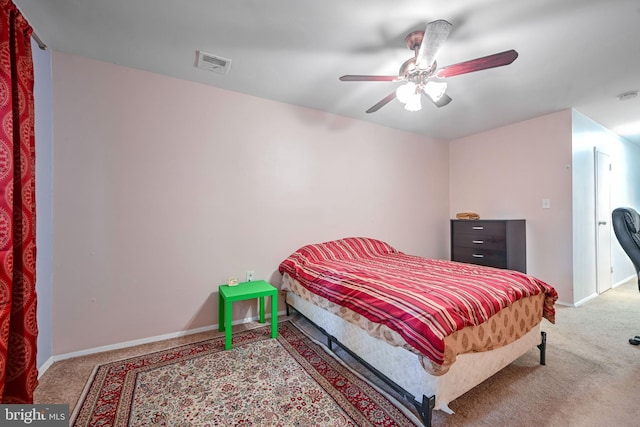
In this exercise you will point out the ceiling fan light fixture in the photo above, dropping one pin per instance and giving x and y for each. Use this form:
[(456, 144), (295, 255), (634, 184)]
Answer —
[(413, 104), (435, 90), (405, 92)]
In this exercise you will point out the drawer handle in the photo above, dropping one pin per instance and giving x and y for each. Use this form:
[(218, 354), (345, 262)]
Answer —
[(477, 255), (478, 227), (477, 242)]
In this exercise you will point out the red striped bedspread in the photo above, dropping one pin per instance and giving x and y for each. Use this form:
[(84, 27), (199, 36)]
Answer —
[(424, 300)]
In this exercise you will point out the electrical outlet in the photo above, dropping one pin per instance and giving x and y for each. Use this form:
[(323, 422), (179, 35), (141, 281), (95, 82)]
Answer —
[(250, 276)]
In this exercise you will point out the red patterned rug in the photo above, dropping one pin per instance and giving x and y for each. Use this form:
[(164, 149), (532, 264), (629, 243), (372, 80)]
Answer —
[(291, 381)]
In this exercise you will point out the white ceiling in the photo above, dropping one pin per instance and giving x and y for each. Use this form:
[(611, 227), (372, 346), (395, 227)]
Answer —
[(572, 53)]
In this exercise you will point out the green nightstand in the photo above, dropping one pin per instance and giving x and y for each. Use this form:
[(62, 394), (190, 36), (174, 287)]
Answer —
[(244, 291)]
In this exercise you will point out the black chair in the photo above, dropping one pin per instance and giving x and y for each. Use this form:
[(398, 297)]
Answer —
[(626, 226)]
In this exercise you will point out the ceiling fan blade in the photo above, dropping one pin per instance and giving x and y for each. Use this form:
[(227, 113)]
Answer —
[(491, 61), (361, 78), (435, 35), (384, 101), (444, 100)]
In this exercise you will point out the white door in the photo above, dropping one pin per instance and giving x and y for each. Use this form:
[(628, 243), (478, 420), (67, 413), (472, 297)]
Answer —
[(603, 221)]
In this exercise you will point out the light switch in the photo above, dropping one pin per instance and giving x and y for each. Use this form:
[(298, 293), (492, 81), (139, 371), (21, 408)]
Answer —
[(546, 203)]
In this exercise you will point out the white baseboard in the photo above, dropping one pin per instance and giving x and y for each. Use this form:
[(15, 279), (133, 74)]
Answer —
[(586, 299), (46, 365), (594, 295), (622, 282), (126, 344)]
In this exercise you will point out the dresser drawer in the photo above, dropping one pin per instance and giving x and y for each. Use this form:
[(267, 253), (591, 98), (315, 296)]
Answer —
[(479, 228), (491, 258), (480, 241)]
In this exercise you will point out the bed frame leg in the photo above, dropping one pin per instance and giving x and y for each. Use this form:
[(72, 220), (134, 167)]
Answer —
[(425, 410), (543, 348), (287, 308)]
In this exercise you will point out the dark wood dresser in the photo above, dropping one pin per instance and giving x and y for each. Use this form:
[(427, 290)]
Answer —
[(498, 243)]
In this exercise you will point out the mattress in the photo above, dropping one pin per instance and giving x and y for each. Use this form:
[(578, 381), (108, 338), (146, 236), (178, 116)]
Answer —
[(505, 327), (437, 307)]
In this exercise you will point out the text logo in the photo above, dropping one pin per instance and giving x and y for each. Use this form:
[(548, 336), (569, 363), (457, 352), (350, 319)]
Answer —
[(36, 415)]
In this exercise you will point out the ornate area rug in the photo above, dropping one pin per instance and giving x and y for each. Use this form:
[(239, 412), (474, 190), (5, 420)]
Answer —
[(291, 381)]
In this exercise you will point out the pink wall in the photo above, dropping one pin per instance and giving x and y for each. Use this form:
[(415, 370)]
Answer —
[(507, 172), (165, 188)]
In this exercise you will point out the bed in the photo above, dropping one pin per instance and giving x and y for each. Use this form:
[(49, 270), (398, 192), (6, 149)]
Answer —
[(431, 329)]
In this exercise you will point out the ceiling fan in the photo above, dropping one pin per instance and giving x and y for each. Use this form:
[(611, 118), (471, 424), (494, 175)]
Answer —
[(420, 72)]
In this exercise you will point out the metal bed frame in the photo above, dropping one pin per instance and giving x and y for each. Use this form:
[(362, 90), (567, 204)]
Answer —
[(424, 407)]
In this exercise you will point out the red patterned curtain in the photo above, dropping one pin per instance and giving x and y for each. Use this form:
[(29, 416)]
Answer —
[(18, 327)]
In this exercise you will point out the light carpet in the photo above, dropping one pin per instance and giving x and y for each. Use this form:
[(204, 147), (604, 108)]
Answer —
[(290, 381)]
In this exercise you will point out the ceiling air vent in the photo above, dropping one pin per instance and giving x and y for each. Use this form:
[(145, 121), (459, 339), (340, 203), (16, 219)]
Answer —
[(209, 62), (628, 95)]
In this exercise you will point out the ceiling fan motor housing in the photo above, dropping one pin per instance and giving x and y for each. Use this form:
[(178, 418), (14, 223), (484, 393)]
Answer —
[(414, 40)]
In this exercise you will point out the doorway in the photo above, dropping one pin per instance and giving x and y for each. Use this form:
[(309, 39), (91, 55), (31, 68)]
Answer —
[(603, 220)]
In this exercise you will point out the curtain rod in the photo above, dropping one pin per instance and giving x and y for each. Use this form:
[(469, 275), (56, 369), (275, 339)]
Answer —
[(41, 45)]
